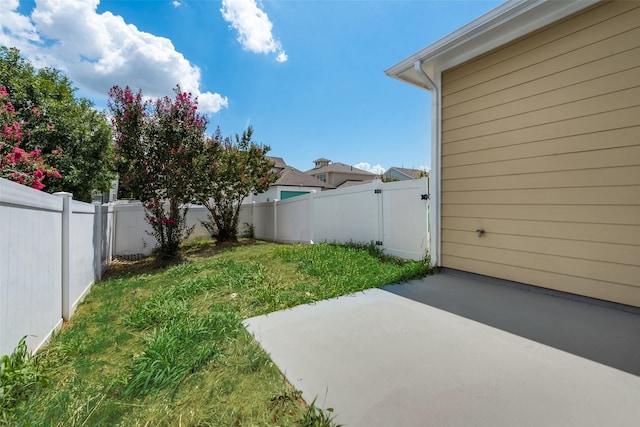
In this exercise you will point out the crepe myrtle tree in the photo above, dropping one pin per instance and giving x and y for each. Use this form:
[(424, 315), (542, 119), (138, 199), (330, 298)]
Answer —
[(156, 145), (67, 132), (228, 171), (25, 167)]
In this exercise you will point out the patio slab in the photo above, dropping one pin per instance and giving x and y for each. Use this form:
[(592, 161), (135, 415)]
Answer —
[(380, 359), (601, 331)]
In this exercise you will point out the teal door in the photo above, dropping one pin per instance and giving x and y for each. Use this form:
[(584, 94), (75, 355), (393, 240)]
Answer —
[(289, 194)]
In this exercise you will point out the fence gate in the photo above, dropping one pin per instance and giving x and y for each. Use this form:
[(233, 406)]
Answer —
[(405, 212)]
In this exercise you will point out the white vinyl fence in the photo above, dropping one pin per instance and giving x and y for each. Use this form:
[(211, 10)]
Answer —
[(132, 238), (394, 215), (52, 248), (50, 255)]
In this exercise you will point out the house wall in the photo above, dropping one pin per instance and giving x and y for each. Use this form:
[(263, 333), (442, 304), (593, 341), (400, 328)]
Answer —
[(271, 194), (540, 149)]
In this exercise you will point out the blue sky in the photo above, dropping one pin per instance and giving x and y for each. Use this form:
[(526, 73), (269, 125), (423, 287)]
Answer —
[(307, 75)]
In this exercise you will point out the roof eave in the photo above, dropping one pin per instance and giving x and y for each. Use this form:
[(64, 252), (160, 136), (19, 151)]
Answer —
[(505, 23)]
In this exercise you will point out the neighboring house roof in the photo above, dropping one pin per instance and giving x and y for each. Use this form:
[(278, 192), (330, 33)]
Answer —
[(352, 183), (505, 23), (409, 173), (293, 177), (278, 162), (338, 167)]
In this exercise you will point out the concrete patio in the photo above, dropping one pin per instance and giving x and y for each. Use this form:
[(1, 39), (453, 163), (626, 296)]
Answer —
[(461, 350)]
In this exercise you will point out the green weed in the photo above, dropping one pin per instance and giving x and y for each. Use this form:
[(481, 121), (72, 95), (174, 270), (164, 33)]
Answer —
[(178, 349), (20, 375), (315, 416)]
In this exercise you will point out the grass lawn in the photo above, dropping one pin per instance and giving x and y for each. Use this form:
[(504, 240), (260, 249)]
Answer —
[(154, 345)]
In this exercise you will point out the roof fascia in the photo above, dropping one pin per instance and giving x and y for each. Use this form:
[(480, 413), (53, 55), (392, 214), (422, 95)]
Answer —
[(505, 23)]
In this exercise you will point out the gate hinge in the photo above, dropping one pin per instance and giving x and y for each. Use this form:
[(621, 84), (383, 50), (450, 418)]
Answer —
[(379, 243), (425, 197), (378, 191)]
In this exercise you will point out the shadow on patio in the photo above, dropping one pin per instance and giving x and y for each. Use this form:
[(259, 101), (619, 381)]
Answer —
[(603, 332)]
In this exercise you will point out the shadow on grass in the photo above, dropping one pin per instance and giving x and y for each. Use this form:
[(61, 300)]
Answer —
[(200, 248), (205, 248)]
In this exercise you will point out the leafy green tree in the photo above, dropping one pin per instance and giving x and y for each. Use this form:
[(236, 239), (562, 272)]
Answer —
[(156, 147), (227, 173), (72, 137)]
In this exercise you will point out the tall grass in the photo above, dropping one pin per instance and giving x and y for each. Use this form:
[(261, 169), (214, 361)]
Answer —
[(20, 375), (343, 269), (165, 346)]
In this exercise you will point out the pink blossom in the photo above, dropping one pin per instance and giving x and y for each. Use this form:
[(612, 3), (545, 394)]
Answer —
[(37, 184), (18, 153)]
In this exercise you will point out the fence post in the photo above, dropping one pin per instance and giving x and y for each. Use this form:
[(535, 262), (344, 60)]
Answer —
[(66, 231), (381, 202), (253, 224), (114, 230), (97, 241), (275, 220), (312, 225)]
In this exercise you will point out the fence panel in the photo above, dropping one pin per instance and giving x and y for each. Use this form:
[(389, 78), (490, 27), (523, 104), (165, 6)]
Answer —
[(405, 219), (295, 219), (131, 236), (264, 225), (30, 265), (81, 253), (394, 215), (195, 216), (351, 214)]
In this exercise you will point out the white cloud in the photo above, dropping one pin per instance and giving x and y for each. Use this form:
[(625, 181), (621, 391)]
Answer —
[(377, 169), (282, 57), (99, 50), (176, 3), (16, 30), (253, 26)]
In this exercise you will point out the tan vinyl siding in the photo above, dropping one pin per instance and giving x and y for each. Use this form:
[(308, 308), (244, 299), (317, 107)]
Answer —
[(541, 149)]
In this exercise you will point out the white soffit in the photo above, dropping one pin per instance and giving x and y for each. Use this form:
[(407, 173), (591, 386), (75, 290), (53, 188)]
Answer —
[(505, 23)]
